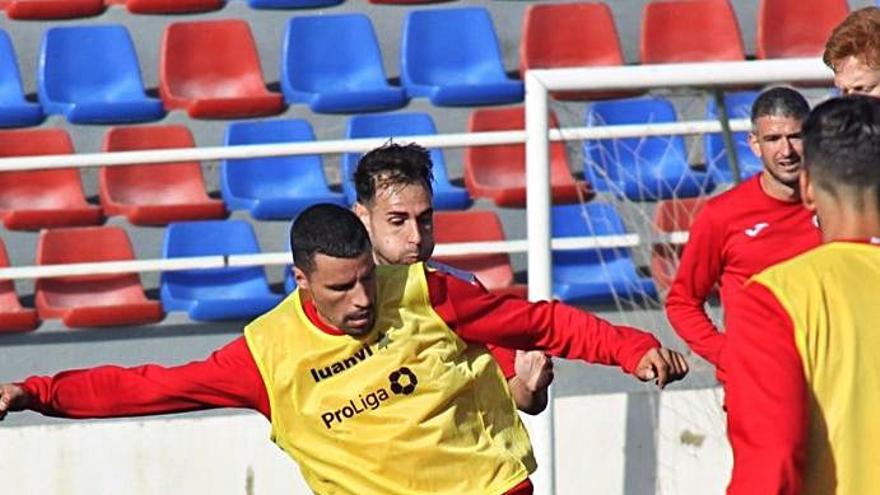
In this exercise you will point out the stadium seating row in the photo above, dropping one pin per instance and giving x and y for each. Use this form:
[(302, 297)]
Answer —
[(640, 169), (70, 9), (333, 63), (90, 74), (585, 275)]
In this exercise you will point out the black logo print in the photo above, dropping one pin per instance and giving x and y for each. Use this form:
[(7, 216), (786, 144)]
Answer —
[(403, 381)]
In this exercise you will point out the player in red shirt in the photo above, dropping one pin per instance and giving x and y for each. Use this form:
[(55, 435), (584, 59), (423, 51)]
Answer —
[(746, 229), (341, 285), (393, 185)]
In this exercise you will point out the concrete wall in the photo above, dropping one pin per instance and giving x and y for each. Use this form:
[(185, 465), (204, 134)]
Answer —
[(685, 452)]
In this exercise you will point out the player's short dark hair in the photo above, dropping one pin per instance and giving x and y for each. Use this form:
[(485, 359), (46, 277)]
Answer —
[(392, 164), (327, 229), (842, 143), (780, 101)]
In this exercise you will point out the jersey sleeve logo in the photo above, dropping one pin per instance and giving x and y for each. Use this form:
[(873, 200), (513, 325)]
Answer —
[(754, 231)]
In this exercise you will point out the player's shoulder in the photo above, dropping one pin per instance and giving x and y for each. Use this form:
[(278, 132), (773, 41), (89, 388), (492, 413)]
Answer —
[(736, 195), (445, 269)]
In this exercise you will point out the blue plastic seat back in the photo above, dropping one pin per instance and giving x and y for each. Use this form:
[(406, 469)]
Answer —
[(325, 54), (739, 106), (393, 125), (593, 219), (450, 47), (206, 238), (89, 63), (11, 91), (632, 158), (273, 177), (292, 4)]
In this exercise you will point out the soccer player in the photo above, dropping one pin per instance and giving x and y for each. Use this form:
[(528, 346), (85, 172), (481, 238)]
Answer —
[(853, 53), (365, 372), (393, 184), (746, 229), (804, 364)]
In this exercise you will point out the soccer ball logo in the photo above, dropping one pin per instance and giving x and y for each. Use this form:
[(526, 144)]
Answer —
[(403, 381)]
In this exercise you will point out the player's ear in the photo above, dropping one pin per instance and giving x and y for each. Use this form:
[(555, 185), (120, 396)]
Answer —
[(363, 213), (753, 144), (808, 195), (302, 281)]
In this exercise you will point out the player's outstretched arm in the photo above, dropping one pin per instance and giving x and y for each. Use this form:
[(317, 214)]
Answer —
[(228, 378), (13, 397), (553, 327)]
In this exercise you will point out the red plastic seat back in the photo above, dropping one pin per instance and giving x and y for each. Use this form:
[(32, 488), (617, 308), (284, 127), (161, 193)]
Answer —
[(493, 270), (504, 165), (671, 216), (171, 6), (690, 31), (38, 189), (151, 184), (52, 9), (209, 59), (83, 245), (8, 297), (569, 35), (797, 28)]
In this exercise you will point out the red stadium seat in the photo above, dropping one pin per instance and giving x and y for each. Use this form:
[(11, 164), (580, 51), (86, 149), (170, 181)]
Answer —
[(797, 28), (169, 6), (211, 68), (158, 193), (492, 270), (35, 199), (671, 216), (690, 31), (499, 172), (579, 34), (51, 9), (405, 2), (91, 300), (13, 317)]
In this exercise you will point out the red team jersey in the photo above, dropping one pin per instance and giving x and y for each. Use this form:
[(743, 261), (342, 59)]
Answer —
[(737, 234)]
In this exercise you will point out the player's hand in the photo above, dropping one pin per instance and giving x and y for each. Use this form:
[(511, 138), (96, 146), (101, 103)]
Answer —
[(662, 365), (12, 398), (534, 369)]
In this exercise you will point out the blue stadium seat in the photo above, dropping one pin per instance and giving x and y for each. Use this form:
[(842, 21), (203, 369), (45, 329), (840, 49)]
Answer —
[(395, 125), (292, 4), (643, 168), (739, 106), (215, 293), (90, 74), (452, 56), (595, 275), (15, 111), (277, 187), (333, 63)]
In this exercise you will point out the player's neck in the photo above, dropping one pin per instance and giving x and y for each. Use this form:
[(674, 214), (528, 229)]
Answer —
[(847, 223), (778, 190)]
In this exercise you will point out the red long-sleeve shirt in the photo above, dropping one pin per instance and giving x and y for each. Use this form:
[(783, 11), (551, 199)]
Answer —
[(767, 402), (229, 376), (736, 235)]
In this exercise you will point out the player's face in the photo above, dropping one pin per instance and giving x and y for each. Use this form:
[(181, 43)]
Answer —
[(776, 140), (853, 76), (400, 220), (343, 290)]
